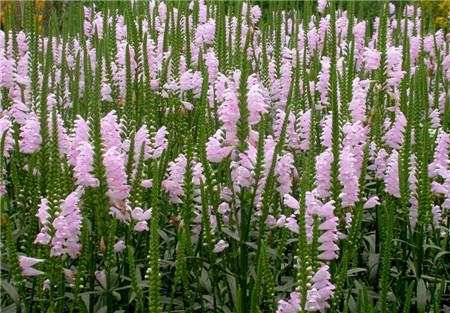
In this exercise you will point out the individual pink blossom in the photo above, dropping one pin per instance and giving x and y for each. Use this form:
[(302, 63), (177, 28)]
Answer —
[(146, 183), (141, 217), (291, 202), (220, 246), (26, 266), (101, 277), (371, 202), (437, 215), (119, 246), (30, 137), (291, 224)]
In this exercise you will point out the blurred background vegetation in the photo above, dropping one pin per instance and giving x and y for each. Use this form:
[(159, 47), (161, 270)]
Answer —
[(436, 13)]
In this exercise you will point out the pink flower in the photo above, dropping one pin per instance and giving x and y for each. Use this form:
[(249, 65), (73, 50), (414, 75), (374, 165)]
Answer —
[(323, 173), (242, 170), (116, 177), (329, 237), (372, 59), (357, 105), (228, 113), (215, 149), (441, 154), (391, 179), (255, 99), (141, 217), (304, 122), (205, 33), (291, 224), (141, 144), (111, 130), (6, 70), (101, 277), (212, 64), (291, 202), (371, 202), (321, 5), (321, 290), (67, 227), (146, 183), (220, 246), (119, 246), (174, 182), (26, 266), (85, 165), (6, 135), (291, 305), (159, 143), (256, 14), (80, 134), (394, 136), (105, 92), (30, 137), (348, 178), (284, 169), (323, 80), (325, 138)]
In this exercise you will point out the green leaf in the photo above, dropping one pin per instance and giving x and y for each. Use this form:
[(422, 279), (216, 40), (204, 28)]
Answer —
[(10, 290), (421, 296)]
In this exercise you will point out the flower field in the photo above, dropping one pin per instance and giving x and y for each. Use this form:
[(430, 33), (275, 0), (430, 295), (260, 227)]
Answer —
[(212, 156)]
